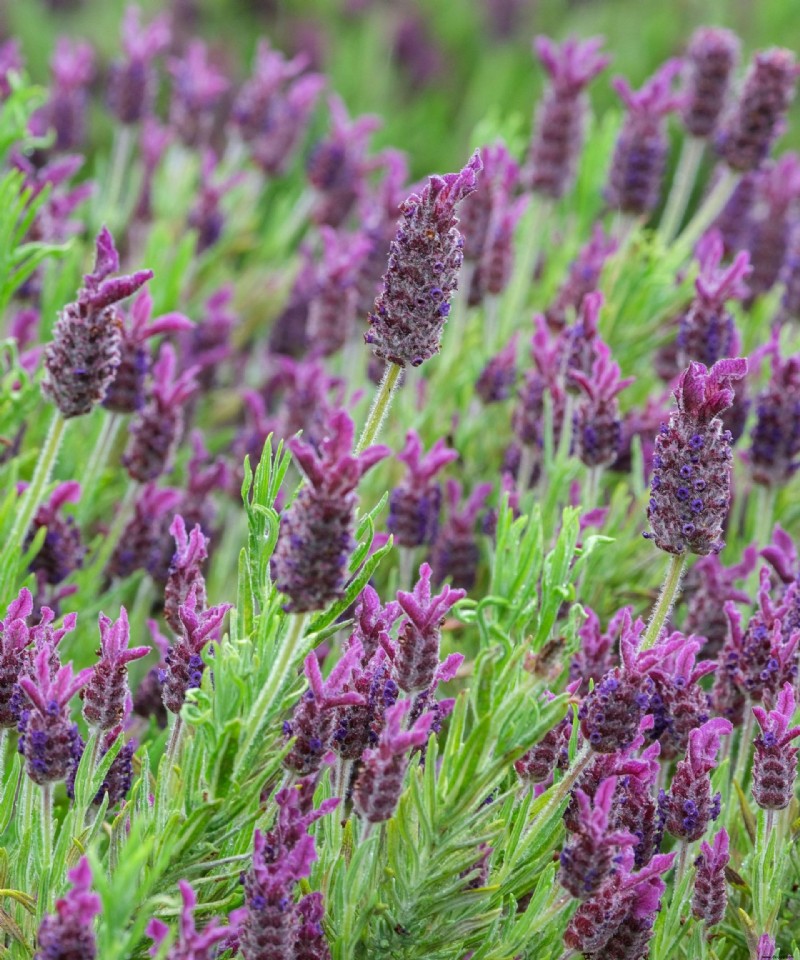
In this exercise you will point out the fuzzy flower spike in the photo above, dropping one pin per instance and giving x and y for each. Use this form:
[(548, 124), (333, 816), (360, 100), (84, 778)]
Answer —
[(106, 692), (597, 426), (47, 733), (775, 760), (747, 137), (691, 484), (83, 357), (689, 807), (710, 895), (706, 331), (68, 931), (316, 534), (424, 260), (561, 114), (420, 633), (711, 58), (640, 156), (414, 503)]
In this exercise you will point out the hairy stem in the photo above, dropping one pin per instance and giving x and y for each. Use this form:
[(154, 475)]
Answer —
[(665, 601), (745, 743), (94, 469), (380, 406), (166, 770), (32, 497)]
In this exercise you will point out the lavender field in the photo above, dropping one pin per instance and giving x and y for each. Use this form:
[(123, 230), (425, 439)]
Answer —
[(399, 429)]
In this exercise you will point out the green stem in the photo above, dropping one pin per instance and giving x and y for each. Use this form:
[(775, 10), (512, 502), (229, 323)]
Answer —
[(710, 209), (41, 477), (47, 824), (94, 469), (261, 713), (120, 154), (380, 406), (665, 601), (111, 539), (765, 507), (532, 236), (743, 752), (682, 186), (166, 770)]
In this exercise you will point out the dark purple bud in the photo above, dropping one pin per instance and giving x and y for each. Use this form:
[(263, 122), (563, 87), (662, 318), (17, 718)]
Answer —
[(373, 621), (46, 731), (635, 808), (747, 137), (712, 57), (424, 260), (357, 726), (679, 704), (184, 664), (637, 168), (157, 429), (83, 357), (775, 759), (561, 113), (311, 943), (687, 515), (316, 534), (710, 896), (414, 503), (106, 693), (68, 932), (380, 782)]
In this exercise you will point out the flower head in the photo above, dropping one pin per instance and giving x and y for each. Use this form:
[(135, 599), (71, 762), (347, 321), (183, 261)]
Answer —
[(711, 59), (414, 503), (775, 761), (425, 257), (68, 931), (710, 897)]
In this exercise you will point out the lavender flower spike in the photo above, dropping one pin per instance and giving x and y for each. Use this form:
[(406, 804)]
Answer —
[(706, 331), (775, 760), (420, 633), (776, 434), (316, 534), (126, 394), (68, 931), (106, 692), (185, 570), (192, 944), (47, 732), (597, 426), (690, 488), (158, 428), (133, 82), (414, 503), (587, 861), (637, 168), (424, 260), (15, 655), (561, 114), (689, 806), (313, 722), (184, 665), (83, 357), (712, 56), (710, 896), (380, 782), (747, 137)]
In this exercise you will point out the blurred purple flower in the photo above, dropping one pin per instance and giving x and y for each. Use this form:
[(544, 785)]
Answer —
[(68, 932), (415, 502)]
